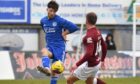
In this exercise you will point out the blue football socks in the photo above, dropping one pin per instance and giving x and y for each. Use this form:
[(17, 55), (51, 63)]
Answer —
[(46, 62), (54, 80)]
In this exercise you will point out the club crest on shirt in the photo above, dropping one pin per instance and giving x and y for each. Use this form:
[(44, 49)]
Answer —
[(44, 25), (54, 24)]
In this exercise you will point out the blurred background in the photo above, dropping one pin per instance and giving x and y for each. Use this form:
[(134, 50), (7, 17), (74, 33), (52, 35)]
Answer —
[(21, 36)]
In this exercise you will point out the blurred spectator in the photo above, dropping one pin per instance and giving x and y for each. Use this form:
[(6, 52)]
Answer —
[(110, 42)]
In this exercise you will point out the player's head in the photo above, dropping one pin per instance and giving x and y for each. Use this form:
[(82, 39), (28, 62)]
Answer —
[(52, 8), (91, 18)]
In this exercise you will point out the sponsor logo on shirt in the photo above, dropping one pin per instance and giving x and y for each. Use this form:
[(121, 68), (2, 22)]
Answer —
[(49, 30), (44, 25)]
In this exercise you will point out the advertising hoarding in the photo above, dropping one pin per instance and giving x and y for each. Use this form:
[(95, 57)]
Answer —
[(108, 11), (14, 11)]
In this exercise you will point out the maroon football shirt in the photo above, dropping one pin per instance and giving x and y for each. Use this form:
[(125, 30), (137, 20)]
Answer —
[(93, 42)]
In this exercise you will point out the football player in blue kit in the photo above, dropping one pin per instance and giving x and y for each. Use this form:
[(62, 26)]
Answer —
[(56, 29)]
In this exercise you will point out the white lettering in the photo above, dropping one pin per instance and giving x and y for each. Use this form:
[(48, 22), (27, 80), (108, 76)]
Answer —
[(14, 10)]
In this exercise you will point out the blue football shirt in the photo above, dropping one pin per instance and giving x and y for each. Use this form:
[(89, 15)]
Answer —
[(54, 27)]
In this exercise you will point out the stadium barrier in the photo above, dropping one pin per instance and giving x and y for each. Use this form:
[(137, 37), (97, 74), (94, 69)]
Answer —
[(22, 65)]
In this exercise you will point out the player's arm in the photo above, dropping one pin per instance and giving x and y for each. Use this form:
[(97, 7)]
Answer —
[(65, 33), (104, 51), (89, 51), (69, 26)]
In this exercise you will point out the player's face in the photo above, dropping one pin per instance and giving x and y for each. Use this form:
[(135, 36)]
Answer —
[(51, 12)]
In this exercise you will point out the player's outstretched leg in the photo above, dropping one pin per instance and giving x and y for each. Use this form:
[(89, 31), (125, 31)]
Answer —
[(71, 79), (44, 70), (45, 62)]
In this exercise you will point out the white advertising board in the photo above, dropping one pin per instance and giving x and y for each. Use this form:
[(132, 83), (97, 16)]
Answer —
[(108, 11), (6, 71)]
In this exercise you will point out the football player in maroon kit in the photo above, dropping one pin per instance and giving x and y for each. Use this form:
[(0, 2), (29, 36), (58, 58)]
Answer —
[(87, 67)]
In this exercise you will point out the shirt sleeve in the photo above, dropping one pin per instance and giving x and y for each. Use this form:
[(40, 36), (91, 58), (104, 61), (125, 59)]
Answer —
[(69, 25), (104, 49), (89, 51)]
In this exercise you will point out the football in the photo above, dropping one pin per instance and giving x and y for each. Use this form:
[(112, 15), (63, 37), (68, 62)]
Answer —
[(57, 67)]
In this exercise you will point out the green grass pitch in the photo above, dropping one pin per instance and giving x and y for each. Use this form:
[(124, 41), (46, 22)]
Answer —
[(62, 81)]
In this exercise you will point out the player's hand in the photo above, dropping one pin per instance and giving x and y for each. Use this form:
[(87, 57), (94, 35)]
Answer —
[(73, 68), (102, 65), (64, 36)]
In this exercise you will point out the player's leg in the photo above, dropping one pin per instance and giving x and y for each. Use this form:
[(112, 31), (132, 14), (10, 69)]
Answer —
[(46, 57), (92, 80), (58, 54), (89, 80), (71, 79), (54, 78), (99, 81), (79, 74), (45, 62), (91, 73)]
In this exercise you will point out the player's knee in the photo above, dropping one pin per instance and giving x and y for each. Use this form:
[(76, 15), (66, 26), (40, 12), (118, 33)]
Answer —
[(46, 52)]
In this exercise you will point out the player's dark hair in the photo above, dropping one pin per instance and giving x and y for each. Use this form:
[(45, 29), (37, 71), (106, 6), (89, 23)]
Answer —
[(53, 4), (91, 18)]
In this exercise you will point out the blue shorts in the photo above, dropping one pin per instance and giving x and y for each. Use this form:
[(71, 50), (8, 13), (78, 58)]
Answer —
[(58, 53)]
